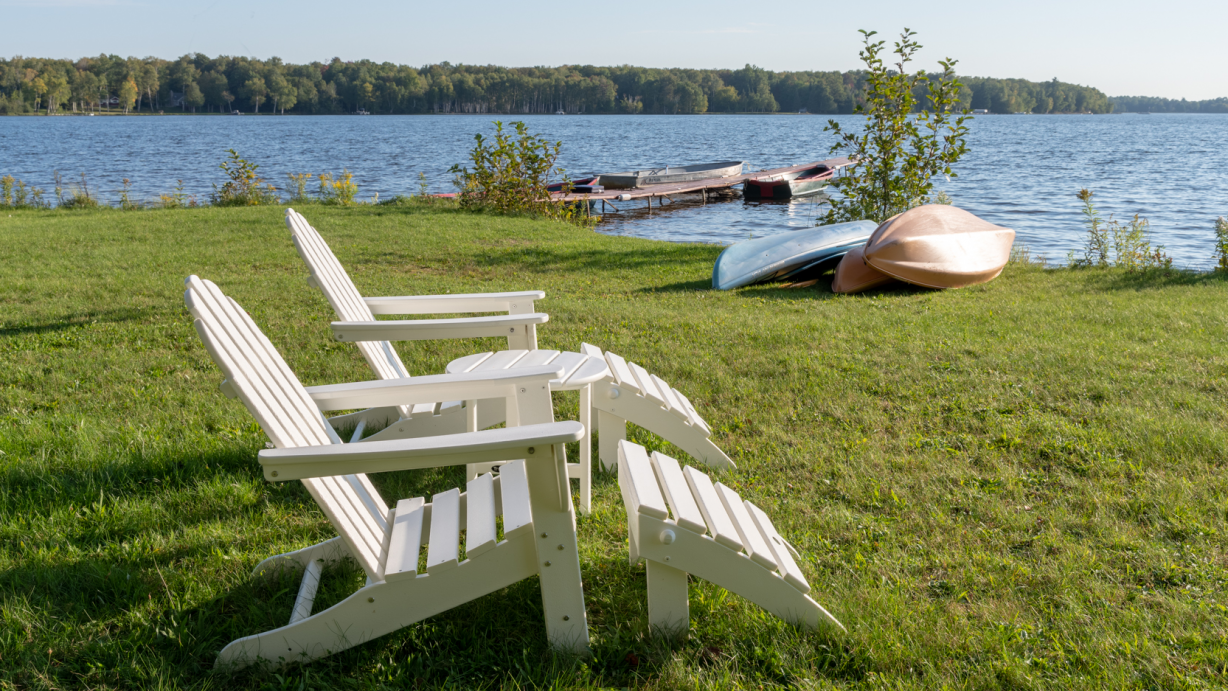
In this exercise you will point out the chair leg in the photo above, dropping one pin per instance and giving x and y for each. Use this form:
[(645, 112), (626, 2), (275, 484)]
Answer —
[(329, 551), (668, 608), (586, 450), (612, 429), (384, 607)]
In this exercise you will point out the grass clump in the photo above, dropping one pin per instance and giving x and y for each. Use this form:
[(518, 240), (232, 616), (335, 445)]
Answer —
[(1016, 485)]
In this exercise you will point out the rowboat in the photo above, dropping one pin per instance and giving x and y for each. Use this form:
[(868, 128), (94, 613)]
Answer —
[(796, 183), (581, 186), (787, 255), (939, 246), (668, 174)]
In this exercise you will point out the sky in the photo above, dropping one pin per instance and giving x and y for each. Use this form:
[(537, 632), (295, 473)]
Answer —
[(1174, 49)]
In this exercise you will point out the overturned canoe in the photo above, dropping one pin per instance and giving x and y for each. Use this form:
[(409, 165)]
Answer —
[(788, 254), (668, 174), (797, 183), (939, 246), (854, 275)]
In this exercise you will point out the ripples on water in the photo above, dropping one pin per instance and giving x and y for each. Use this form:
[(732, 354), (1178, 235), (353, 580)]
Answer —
[(1021, 171)]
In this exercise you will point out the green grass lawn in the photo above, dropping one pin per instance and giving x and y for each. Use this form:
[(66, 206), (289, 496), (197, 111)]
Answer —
[(1017, 485)]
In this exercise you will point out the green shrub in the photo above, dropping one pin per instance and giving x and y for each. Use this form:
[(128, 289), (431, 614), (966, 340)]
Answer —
[(339, 190), (245, 187), (899, 152), (510, 176), (1112, 243), (298, 181), (1221, 244)]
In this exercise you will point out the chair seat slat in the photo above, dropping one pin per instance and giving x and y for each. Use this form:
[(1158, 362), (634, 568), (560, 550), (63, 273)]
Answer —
[(514, 490), (622, 373), (480, 516), (403, 550), (443, 552)]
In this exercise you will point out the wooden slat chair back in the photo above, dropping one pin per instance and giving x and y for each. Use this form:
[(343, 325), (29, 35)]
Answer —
[(258, 375), (332, 279), (680, 522), (387, 542)]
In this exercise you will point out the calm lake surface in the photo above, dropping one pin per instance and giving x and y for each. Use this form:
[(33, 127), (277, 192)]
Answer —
[(1021, 171)]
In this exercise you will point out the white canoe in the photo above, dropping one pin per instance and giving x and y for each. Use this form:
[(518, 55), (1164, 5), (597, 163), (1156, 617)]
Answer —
[(787, 254)]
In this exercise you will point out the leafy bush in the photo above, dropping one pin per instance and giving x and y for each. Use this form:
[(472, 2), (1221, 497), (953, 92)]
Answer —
[(1221, 243), (245, 187), (510, 176), (339, 190), (1112, 243), (898, 152), (299, 183), (15, 194)]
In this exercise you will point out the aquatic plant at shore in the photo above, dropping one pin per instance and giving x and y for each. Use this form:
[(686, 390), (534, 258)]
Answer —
[(1113, 243), (245, 187)]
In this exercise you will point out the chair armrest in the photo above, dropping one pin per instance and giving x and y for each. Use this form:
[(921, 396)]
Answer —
[(530, 442), (467, 386), (434, 329), (514, 303)]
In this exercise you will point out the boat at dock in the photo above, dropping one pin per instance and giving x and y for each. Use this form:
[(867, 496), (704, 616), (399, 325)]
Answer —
[(581, 186), (795, 183), (788, 255), (670, 174)]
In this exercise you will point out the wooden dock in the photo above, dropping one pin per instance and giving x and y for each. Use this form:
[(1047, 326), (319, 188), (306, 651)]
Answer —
[(693, 186)]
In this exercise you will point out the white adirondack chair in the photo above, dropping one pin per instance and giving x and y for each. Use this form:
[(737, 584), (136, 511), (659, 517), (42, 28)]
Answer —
[(617, 391), (680, 523), (531, 496)]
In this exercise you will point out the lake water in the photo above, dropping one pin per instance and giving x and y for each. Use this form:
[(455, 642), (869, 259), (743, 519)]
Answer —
[(1021, 171)]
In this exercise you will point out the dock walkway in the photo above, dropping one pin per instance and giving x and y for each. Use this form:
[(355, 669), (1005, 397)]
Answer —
[(693, 186)]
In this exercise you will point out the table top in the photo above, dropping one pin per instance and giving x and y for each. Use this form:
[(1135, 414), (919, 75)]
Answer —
[(579, 369)]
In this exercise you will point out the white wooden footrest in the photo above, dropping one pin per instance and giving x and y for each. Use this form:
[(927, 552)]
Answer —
[(620, 392), (680, 522), (404, 595)]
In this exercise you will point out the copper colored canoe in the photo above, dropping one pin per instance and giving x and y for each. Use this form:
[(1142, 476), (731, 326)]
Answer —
[(854, 275), (939, 246)]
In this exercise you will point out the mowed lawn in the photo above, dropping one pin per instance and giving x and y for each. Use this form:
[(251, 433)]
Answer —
[(1018, 485)]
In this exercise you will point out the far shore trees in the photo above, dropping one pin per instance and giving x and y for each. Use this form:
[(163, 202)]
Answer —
[(337, 86)]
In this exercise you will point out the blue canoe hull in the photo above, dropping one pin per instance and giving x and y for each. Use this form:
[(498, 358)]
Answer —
[(787, 254)]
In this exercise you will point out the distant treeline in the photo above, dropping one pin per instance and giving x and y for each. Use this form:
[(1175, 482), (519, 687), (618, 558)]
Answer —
[(199, 83), (1151, 104)]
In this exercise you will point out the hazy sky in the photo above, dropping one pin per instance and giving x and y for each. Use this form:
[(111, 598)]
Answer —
[(1174, 49)]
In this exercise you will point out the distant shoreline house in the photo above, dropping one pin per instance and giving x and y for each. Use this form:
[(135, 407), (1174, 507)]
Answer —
[(177, 99)]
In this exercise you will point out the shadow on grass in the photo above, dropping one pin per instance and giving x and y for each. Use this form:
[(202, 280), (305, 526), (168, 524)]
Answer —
[(1151, 279), (73, 321)]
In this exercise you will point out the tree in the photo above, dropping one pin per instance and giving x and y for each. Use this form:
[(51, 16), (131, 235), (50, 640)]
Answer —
[(230, 99), (127, 94), (192, 96), (283, 94), (40, 87), (255, 91), (897, 153), (213, 84), (85, 87), (58, 91)]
